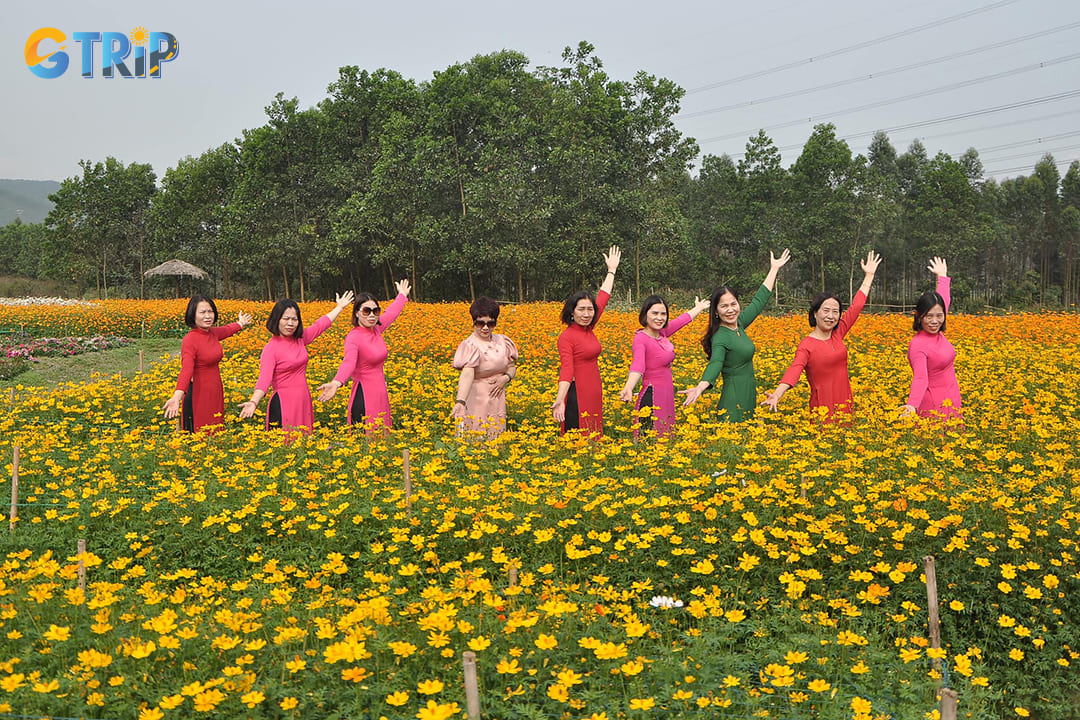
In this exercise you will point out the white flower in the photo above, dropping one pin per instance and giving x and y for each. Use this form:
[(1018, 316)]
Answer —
[(665, 602)]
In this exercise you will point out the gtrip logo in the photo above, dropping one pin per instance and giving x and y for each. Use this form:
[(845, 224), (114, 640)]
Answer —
[(46, 58)]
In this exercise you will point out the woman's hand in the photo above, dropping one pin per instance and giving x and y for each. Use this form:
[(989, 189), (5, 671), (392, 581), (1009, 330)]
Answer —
[(693, 394), (939, 267), (498, 385), (870, 264), (772, 400), (247, 409), (700, 306), (558, 410), (243, 320), (626, 394), (612, 258), (403, 287), (328, 390), (458, 412), (172, 405), (344, 300), (908, 410), (775, 263)]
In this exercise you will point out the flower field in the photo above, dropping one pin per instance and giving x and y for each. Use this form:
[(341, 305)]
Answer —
[(771, 569)]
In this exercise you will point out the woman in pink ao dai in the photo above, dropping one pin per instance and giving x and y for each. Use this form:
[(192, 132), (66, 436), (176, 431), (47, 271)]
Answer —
[(365, 355), (934, 389)]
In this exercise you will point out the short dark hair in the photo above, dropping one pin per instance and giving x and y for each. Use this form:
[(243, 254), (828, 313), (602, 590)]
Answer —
[(571, 302), (359, 300), (193, 306), (926, 303), (484, 307), (274, 320), (714, 321), (646, 306), (818, 301)]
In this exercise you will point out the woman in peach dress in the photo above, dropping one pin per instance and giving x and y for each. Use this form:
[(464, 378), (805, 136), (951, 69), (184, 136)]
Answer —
[(487, 364)]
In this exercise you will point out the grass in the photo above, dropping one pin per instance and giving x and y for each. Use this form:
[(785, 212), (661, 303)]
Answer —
[(50, 372)]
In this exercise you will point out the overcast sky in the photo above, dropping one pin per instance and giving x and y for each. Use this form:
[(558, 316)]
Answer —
[(910, 68)]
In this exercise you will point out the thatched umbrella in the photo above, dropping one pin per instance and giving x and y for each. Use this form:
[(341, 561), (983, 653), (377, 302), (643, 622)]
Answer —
[(177, 269)]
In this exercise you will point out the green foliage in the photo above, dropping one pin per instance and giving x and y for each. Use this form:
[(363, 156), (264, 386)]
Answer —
[(500, 179)]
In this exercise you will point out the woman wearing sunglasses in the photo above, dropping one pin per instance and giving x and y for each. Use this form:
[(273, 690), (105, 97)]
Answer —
[(487, 364), (365, 353)]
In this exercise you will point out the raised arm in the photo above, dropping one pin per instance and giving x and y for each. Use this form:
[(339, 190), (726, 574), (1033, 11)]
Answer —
[(611, 259), (394, 309), (225, 331), (775, 263), (939, 267), (869, 267)]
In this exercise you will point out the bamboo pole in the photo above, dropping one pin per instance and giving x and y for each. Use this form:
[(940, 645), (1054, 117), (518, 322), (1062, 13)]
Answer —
[(82, 565), (407, 473), (932, 608), (472, 691), (14, 514), (949, 702)]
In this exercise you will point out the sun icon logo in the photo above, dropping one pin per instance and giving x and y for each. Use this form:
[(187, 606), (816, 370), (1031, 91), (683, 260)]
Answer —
[(139, 36)]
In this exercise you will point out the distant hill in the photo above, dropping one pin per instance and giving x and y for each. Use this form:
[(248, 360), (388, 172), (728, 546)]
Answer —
[(30, 196)]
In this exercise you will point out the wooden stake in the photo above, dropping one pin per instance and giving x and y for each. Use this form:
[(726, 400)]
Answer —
[(513, 576), (472, 691), (408, 480), (11, 395), (802, 486), (14, 488), (140, 362), (82, 566), (948, 704), (932, 608)]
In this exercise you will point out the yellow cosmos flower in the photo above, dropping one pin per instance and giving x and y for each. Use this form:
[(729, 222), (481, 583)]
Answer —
[(479, 643), (436, 711), (252, 698), (57, 633), (546, 642), (430, 687), (397, 699), (508, 667), (642, 703)]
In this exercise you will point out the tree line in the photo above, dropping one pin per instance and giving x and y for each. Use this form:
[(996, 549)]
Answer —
[(494, 179)]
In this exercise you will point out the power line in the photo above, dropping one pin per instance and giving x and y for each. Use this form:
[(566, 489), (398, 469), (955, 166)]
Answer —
[(1043, 153), (1035, 141), (882, 73), (964, 131), (1002, 171), (851, 48), (912, 96), (934, 121)]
